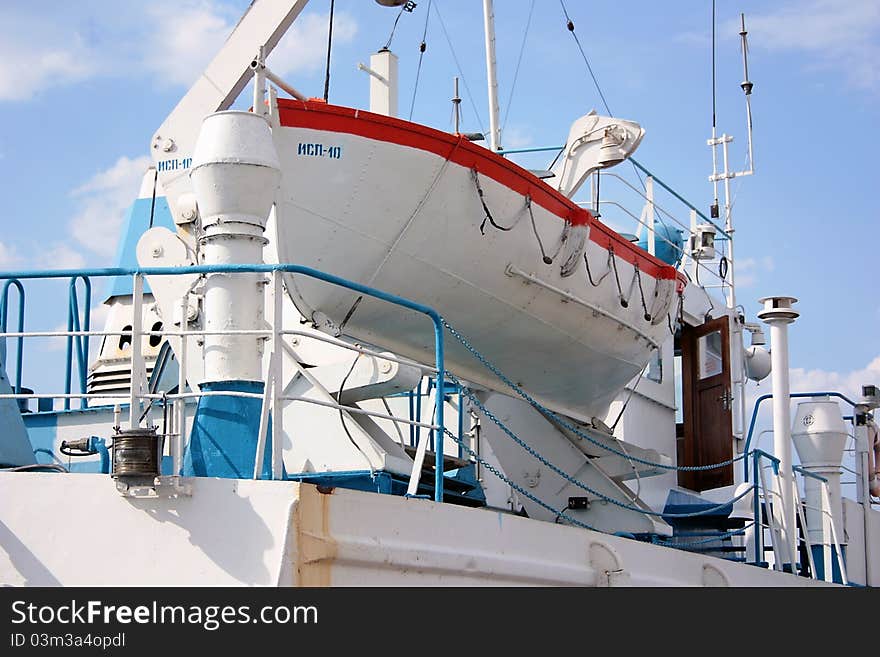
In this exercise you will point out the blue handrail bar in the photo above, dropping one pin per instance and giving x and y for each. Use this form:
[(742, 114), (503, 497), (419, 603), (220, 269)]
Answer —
[(81, 341), (4, 299), (536, 149), (794, 395), (681, 198), (811, 475), (432, 314)]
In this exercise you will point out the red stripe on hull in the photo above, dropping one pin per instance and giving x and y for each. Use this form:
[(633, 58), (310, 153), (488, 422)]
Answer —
[(333, 118)]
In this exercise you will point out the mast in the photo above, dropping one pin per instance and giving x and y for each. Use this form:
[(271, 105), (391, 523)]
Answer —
[(494, 128)]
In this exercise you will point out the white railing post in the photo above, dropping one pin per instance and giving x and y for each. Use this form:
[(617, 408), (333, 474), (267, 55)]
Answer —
[(772, 511), (180, 406), (137, 357), (275, 377), (796, 496), (826, 502), (649, 211)]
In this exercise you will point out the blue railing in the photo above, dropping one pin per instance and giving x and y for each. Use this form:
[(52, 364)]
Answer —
[(794, 395), (4, 303), (435, 318), (81, 341)]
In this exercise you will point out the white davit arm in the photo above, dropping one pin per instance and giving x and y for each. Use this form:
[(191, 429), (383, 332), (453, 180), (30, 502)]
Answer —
[(263, 25)]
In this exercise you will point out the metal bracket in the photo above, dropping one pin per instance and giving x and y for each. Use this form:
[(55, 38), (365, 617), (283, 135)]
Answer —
[(162, 487)]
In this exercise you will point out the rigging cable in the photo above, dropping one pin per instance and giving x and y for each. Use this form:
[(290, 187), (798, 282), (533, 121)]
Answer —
[(570, 25), (522, 49), (467, 89), (403, 7), (423, 46), (329, 44)]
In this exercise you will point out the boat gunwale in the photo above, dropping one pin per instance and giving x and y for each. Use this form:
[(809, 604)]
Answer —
[(317, 115)]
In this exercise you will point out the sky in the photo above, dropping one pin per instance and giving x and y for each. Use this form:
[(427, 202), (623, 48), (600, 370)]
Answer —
[(83, 86)]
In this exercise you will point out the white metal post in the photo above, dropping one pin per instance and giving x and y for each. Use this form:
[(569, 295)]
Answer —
[(649, 219), (180, 406), (137, 356), (728, 227), (778, 313), (275, 365), (494, 128)]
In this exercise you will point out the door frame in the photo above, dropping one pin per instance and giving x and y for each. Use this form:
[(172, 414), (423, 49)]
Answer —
[(691, 452)]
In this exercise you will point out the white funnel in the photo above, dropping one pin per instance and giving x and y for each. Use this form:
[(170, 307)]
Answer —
[(235, 177), (819, 435), (235, 170)]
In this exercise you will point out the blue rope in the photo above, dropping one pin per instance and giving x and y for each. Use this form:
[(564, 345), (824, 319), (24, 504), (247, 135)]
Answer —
[(550, 415)]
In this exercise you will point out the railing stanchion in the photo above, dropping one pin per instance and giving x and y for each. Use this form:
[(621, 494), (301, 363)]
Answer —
[(275, 378), (4, 306), (137, 357), (180, 407)]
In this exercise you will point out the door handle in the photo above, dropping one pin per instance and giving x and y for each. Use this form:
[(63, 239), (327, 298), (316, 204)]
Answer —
[(725, 400)]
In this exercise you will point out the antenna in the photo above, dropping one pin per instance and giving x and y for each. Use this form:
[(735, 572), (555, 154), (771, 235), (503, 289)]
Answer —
[(456, 105), (747, 86), (713, 211)]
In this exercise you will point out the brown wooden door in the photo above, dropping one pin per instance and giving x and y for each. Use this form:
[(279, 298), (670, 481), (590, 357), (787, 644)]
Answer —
[(707, 403)]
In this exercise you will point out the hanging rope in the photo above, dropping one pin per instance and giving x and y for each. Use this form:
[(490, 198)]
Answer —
[(548, 260), (638, 275), (329, 45), (488, 218), (476, 177), (423, 46), (607, 271)]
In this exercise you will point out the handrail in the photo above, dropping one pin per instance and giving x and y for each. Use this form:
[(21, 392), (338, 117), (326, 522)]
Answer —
[(4, 299), (678, 196), (793, 395), (432, 314), (82, 342)]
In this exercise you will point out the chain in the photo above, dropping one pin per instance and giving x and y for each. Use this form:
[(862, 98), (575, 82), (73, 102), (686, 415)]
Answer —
[(623, 505), (553, 417), (516, 487)]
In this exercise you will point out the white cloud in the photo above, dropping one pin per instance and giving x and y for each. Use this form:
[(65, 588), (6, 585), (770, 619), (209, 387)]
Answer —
[(34, 54), (848, 383), (191, 34), (304, 48), (103, 200), (752, 270), (839, 35), (516, 137), (9, 256), (168, 41), (61, 256)]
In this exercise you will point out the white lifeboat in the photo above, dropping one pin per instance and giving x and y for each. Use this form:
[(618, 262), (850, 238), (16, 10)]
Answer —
[(563, 305)]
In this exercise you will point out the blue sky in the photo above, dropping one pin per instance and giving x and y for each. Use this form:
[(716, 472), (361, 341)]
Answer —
[(84, 85)]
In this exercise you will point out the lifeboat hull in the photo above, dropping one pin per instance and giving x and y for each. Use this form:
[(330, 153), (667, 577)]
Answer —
[(400, 207)]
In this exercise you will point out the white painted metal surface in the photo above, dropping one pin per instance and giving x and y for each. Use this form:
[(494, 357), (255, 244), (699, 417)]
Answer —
[(572, 345), (264, 23), (778, 313), (282, 533), (819, 435), (235, 177), (491, 75), (383, 82)]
